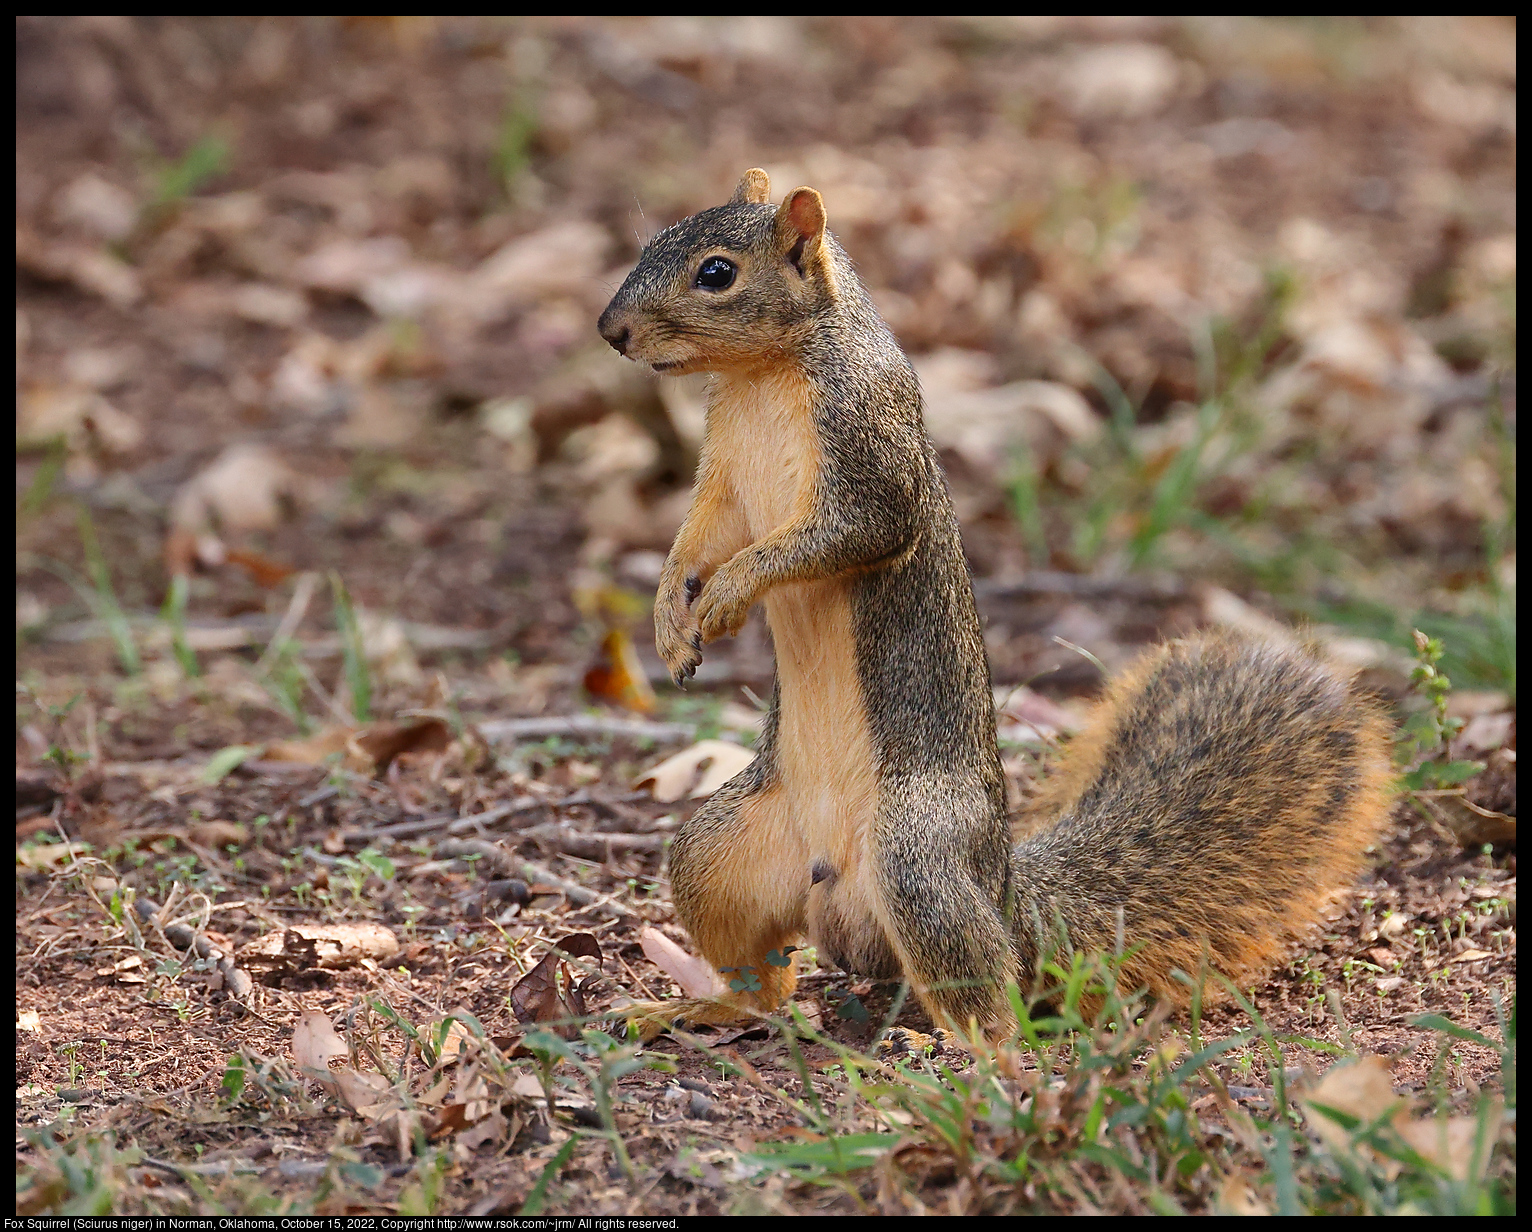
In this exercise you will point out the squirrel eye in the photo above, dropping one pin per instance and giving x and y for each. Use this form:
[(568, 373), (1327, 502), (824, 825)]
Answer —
[(716, 274)]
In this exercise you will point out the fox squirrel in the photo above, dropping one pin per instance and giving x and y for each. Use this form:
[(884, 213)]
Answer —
[(1223, 790)]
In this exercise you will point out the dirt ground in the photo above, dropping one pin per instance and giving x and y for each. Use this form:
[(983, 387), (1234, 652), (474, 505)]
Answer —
[(305, 318)]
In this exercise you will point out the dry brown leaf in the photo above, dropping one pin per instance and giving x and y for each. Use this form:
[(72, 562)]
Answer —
[(1235, 1197), (527, 1085), (388, 649), (550, 260), (542, 996), (261, 568), (698, 771), (368, 1095), (315, 750), (242, 490), (376, 745), (694, 975), (378, 418), (986, 424), (1364, 1089), (450, 1119), (217, 834), (98, 206), (1119, 79), (315, 1042), (92, 270), (347, 265), (456, 1041), (493, 1129), (47, 856), (437, 1094), (78, 415), (126, 970), (1448, 1142), (29, 1020), (619, 677), (1486, 732)]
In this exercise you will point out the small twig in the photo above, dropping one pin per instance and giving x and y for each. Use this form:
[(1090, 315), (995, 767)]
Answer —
[(183, 937), (453, 823), (574, 892), (583, 725), (318, 795), (214, 1167), (340, 713), (296, 610), (92, 740), (592, 846), (579, 895)]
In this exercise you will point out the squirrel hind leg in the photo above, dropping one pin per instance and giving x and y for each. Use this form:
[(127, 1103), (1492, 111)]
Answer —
[(739, 879), (941, 903)]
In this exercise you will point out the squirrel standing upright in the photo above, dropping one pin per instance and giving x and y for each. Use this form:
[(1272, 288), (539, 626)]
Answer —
[(1222, 791)]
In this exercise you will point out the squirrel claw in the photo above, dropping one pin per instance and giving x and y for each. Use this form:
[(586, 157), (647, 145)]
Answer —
[(902, 1042)]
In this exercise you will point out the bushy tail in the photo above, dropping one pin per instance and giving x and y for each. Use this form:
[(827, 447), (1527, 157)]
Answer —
[(1223, 792)]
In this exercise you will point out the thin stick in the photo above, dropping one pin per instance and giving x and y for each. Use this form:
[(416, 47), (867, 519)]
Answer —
[(296, 610), (583, 725)]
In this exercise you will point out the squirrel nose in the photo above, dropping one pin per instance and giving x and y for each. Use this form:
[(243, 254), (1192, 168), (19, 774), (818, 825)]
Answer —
[(614, 331)]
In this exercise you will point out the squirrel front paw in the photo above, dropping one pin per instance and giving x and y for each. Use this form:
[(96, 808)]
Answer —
[(675, 632), (725, 604)]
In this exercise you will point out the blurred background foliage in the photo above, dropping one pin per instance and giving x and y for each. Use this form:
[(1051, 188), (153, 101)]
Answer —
[(1227, 300)]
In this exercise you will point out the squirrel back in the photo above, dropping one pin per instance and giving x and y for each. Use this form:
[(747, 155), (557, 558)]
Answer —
[(1225, 789)]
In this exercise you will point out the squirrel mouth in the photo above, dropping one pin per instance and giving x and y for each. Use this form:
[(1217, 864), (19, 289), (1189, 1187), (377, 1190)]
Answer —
[(665, 365)]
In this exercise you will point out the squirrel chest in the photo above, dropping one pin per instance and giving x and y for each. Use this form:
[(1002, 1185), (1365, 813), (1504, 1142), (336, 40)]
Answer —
[(826, 767)]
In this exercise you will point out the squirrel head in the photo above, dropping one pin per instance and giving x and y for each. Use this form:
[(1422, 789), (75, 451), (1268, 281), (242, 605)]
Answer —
[(728, 288)]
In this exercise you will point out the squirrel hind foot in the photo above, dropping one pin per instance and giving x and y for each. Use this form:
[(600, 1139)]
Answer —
[(899, 1042), (656, 1018)]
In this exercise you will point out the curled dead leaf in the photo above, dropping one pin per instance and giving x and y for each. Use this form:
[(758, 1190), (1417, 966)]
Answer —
[(548, 992), (368, 1095), (76, 414), (533, 265), (90, 269), (618, 676), (695, 976), (1364, 1090), (98, 206), (313, 751), (454, 1043), (242, 490), (491, 1130), (217, 834), (698, 771), (527, 1086), (315, 1042), (377, 744), (262, 569)]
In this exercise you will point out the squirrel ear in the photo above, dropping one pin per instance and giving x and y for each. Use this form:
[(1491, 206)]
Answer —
[(799, 225), (754, 187)]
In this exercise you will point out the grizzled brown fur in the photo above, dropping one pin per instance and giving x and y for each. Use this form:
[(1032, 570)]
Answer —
[(1222, 792), (873, 819)]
